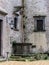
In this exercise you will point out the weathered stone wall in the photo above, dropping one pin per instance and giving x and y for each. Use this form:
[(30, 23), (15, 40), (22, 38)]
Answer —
[(32, 8), (6, 47), (35, 8), (47, 24), (8, 5)]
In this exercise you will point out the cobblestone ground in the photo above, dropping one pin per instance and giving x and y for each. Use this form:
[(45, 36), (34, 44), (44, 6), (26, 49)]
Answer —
[(25, 63)]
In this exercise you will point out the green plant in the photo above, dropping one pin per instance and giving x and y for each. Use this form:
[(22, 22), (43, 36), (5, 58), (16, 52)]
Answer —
[(30, 57), (44, 56)]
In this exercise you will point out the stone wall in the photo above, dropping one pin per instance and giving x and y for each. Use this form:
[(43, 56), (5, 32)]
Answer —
[(47, 24), (32, 8), (35, 8), (8, 5)]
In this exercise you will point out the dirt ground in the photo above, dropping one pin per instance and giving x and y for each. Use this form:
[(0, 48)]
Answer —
[(25, 63)]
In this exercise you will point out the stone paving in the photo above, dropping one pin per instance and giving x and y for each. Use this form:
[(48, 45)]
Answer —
[(42, 62)]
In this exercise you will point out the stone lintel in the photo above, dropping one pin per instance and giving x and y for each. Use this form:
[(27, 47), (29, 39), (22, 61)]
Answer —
[(3, 11)]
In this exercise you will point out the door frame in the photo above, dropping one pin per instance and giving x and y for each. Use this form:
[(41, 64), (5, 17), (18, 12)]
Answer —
[(1, 37)]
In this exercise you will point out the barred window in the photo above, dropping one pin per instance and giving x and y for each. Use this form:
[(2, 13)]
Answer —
[(39, 23), (15, 23)]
